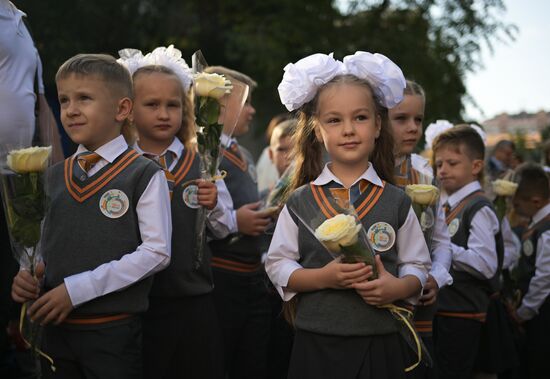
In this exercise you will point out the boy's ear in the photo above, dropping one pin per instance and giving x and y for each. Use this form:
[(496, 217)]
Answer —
[(270, 153), (477, 166), (124, 109)]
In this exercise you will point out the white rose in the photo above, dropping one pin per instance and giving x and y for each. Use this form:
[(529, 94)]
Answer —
[(423, 194), (340, 230), (32, 159), (504, 187), (212, 85)]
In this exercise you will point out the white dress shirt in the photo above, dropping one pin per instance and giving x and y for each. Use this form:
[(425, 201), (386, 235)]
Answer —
[(155, 226), (283, 255), (19, 65), (512, 245), (226, 141), (219, 219), (441, 241), (539, 286), (480, 258)]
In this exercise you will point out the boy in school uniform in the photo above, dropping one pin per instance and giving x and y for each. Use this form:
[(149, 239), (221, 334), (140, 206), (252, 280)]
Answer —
[(107, 230), (532, 272), (240, 292), (476, 245)]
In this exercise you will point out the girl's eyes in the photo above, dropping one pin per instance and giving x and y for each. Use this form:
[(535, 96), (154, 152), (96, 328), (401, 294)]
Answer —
[(362, 117)]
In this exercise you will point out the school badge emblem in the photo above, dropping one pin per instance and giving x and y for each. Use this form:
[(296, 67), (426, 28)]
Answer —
[(191, 196), (453, 226), (427, 219), (381, 236), (114, 203), (528, 248)]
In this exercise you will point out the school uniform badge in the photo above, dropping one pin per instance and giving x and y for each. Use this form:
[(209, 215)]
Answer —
[(381, 236), (453, 226), (114, 203), (427, 219), (528, 248), (191, 196)]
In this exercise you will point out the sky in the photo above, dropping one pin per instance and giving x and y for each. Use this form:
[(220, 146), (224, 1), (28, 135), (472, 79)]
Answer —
[(516, 76)]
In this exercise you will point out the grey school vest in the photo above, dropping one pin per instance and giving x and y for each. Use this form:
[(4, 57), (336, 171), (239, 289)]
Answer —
[(525, 269), (181, 278), (85, 227), (242, 186), (344, 312), (468, 294)]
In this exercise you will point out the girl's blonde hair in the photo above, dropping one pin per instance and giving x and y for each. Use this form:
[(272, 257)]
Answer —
[(307, 152), (187, 132)]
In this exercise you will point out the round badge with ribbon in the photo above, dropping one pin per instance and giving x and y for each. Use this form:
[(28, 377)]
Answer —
[(381, 236), (528, 248), (191, 196), (453, 226), (114, 203), (427, 219)]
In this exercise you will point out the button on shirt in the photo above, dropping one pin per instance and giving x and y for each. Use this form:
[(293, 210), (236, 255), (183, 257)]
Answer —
[(480, 258), (155, 226), (219, 220), (283, 255)]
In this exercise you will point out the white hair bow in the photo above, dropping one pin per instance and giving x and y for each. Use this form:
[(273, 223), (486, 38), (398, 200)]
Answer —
[(170, 57), (440, 126), (302, 79)]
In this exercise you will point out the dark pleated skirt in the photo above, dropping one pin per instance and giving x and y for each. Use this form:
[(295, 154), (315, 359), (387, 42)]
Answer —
[(374, 357)]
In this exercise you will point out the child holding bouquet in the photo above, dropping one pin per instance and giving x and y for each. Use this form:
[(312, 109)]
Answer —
[(180, 327), (414, 174), (106, 231), (341, 329)]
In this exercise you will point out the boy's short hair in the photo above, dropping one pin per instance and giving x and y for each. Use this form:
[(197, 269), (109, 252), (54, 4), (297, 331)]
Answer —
[(461, 136), (532, 181), (283, 129), (233, 74), (105, 66)]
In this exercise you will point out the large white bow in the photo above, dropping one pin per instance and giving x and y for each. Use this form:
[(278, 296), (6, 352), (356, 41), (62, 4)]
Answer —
[(302, 79), (170, 57)]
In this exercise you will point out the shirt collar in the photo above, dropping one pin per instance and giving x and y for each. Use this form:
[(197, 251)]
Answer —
[(542, 213), (175, 147), (459, 195), (400, 159), (226, 140), (109, 151), (327, 176), (10, 11)]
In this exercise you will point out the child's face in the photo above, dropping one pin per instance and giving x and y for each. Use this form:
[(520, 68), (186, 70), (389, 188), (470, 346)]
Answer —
[(90, 112), (406, 123), (158, 107), (245, 118), (347, 123), (279, 152), (525, 206), (455, 169)]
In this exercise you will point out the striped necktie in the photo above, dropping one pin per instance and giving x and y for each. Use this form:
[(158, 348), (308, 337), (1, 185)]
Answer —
[(84, 162), (164, 161), (344, 196), (446, 208)]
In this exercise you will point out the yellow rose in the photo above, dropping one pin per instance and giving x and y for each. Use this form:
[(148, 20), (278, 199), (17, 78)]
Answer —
[(340, 230), (422, 194), (32, 159), (504, 187), (212, 85)]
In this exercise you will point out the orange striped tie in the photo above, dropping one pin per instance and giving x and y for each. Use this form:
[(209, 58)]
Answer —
[(164, 161), (446, 208), (84, 162)]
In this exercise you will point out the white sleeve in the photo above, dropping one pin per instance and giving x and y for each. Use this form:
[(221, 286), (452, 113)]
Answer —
[(152, 255), (539, 286), (441, 251), (480, 259), (282, 256), (221, 220), (413, 257)]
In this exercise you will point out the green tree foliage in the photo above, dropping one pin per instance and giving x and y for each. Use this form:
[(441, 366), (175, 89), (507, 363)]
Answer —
[(436, 42)]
